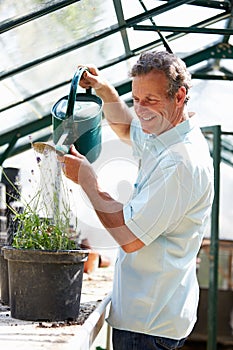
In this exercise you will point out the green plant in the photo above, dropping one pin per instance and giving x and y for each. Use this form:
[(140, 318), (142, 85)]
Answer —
[(44, 222), (34, 232)]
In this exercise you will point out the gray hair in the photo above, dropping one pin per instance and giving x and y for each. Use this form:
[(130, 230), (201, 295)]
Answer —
[(174, 68)]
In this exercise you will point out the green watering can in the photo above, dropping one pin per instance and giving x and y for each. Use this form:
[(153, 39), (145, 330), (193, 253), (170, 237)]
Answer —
[(77, 120)]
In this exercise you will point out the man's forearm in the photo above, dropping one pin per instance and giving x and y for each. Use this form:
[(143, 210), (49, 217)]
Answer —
[(110, 213)]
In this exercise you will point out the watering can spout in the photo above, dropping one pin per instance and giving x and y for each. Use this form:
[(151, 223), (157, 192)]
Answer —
[(77, 120)]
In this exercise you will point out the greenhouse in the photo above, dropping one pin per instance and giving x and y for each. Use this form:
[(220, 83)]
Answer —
[(43, 42)]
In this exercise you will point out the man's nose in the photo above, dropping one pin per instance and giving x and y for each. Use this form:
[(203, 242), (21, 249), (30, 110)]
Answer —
[(142, 103), (140, 106)]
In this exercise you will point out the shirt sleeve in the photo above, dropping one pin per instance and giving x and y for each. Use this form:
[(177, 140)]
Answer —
[(160, 203)]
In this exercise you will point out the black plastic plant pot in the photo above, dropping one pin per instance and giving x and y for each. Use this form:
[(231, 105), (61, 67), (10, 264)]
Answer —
[(4, 284), (45, 285), (11, 177)]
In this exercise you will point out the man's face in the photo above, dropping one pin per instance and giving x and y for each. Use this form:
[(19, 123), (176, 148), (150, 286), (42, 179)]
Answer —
[(156, 111)]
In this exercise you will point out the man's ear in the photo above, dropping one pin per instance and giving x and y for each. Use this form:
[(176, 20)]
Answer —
[(181, 96)]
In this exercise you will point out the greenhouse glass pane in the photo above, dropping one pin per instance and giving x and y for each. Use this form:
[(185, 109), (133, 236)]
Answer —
[(185, 15), (62, 68), (211, 100), (181, 16), (47, 34), (138, 38), (14, 9), (137, 8)]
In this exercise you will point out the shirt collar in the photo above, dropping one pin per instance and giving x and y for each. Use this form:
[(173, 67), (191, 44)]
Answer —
[(172, 136)]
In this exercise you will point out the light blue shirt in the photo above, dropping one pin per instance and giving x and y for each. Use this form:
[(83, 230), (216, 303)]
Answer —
[(155, 289)]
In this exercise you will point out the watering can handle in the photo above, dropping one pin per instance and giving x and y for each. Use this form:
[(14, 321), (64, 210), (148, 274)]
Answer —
[(73, 88)]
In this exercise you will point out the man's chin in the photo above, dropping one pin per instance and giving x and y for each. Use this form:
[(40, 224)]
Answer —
[(146, 131)]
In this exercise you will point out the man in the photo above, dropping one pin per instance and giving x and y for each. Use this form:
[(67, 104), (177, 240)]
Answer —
[(160, 229)]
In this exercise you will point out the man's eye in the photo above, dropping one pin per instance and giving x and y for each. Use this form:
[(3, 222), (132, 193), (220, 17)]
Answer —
[(151, 100)]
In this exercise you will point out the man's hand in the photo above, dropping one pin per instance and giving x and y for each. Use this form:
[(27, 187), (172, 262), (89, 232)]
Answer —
[(77, 168), (91, 78)]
